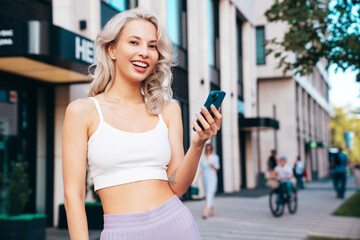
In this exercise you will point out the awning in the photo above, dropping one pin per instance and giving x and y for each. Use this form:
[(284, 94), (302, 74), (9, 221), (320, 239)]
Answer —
[(43, 51), (258, 124)]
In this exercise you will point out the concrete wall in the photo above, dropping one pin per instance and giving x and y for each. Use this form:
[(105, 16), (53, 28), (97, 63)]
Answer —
[(279, 93), (41, 153), (228, 76), (68, 13), (273, 30), (61, 102)]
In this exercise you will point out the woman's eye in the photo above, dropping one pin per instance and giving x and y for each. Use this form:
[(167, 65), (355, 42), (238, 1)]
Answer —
[(133, 42), (153, 46)]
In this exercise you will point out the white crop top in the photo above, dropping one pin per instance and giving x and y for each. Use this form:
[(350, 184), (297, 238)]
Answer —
[(116, 157)]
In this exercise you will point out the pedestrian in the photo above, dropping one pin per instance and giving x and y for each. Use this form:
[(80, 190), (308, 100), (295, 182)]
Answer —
[(209, 165), (284, 173), (339, 163), (272, 161), (129, 133), (299, 172)]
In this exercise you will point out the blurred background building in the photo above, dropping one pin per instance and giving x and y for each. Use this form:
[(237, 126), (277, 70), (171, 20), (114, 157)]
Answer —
[(47, 45)]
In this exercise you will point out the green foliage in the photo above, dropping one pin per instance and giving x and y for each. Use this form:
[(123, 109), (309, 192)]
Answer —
[(316, 30), (350, 208), (325, 238), (342, 122), (19, 191)]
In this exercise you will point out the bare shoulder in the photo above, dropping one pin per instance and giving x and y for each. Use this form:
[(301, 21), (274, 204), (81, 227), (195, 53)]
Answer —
[(81, 109), (80, 105), (171, 111)]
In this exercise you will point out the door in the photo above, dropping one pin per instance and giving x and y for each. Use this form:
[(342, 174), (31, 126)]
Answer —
[(17, 137)]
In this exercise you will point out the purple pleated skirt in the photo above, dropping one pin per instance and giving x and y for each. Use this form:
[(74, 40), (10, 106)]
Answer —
[(170, 221)]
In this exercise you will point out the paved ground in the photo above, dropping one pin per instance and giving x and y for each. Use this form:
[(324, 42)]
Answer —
[(247, 216)]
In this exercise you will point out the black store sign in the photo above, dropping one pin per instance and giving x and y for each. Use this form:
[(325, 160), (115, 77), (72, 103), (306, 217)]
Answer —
[(47, 43)]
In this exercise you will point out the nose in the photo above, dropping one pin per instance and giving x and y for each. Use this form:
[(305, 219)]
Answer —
[(144, 51)]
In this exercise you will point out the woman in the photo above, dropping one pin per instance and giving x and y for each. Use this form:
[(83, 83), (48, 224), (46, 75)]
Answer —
[(209, 165), (130, 135)]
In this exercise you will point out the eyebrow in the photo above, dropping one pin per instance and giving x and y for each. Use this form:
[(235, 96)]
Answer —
[(137, 37)]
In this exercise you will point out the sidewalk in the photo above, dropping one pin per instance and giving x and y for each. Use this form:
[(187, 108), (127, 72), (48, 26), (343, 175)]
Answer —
[(250, 218), (246, 217)]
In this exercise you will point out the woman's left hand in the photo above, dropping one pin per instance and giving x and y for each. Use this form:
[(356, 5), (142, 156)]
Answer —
[(211, 125)]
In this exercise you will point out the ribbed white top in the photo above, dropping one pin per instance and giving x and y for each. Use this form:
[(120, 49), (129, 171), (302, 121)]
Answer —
[(117, 157)]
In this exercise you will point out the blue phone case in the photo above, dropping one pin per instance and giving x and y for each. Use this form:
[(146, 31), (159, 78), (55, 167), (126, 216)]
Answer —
[(216, 98)]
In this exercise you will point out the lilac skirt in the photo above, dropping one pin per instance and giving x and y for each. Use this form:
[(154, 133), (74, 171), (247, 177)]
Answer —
[(171, 220)]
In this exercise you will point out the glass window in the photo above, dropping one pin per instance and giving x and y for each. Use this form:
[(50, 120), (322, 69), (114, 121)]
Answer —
[(172, 21), (213, 41), (111, 7), (213, 32), (260, 45), (210, 33), (176, 22), (119, 5), (240, 58)]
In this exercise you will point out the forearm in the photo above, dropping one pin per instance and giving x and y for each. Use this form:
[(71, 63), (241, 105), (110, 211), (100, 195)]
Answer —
[(76, 219), (184, 175)]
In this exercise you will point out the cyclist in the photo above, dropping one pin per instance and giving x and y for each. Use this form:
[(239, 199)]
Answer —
[(284, 173)]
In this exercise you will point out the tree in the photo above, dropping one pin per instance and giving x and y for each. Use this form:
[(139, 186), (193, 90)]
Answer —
[(342, 122), (19, 190), (318, 29)]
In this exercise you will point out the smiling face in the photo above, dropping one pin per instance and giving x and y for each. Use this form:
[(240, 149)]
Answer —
[(135, 54)]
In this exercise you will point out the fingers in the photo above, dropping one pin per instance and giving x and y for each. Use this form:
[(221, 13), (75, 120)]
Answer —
[(211, 122), (207, 115), (217, 116), (196, 127), (203, 122)]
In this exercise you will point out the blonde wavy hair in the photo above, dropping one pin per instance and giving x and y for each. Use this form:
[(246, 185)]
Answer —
[(156, 88)]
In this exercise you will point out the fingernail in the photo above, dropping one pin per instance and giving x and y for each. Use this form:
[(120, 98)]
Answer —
[(204, 108), (212, 106), (198, 115)]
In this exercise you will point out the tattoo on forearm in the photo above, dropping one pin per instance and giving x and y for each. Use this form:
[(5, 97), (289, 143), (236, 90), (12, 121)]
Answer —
[(172, 178)]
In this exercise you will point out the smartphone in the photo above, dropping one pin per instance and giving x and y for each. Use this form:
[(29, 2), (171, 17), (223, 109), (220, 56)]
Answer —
[(216, 98)]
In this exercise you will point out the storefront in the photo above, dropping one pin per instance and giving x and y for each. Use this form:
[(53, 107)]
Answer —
[(36, 58)]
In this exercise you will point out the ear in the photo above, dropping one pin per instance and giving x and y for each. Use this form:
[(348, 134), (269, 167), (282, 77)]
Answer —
[(111, 51)]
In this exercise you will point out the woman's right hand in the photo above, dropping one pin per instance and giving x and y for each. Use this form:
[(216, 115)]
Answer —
[(211, 126)]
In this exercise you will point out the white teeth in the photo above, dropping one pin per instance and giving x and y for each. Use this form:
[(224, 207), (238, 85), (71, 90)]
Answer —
[(140, 64)]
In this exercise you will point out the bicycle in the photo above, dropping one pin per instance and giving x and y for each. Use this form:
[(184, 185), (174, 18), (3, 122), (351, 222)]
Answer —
[(278, 198)]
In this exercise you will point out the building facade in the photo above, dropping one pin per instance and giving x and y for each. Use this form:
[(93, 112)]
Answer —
[(45, 52), (301, 104)]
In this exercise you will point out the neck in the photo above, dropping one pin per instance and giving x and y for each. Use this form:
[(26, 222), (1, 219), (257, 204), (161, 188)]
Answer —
[(125, 91)]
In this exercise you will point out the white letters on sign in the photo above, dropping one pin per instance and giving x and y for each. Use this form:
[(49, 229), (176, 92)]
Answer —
[(84, 50), (7, 34)]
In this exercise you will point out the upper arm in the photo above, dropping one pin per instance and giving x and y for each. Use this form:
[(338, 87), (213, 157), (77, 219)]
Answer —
[(74, 147), (172, 117)]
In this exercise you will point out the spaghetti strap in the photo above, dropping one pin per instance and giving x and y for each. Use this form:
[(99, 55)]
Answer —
[(97, 105), (160, 117)]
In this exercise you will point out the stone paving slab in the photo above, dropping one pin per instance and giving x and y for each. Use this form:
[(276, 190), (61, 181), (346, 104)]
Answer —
[(246, 218), (240, 217)]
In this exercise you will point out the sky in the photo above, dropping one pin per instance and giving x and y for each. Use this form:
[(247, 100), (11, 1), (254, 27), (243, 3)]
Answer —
[(344, 90)]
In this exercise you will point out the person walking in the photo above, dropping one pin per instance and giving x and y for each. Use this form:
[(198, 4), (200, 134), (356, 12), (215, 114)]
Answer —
[(209, 165), (129, 133), (339, 163), (299, 172), (272, 161)]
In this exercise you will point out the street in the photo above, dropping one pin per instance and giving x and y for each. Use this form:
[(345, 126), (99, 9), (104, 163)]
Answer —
[(247, 217)]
